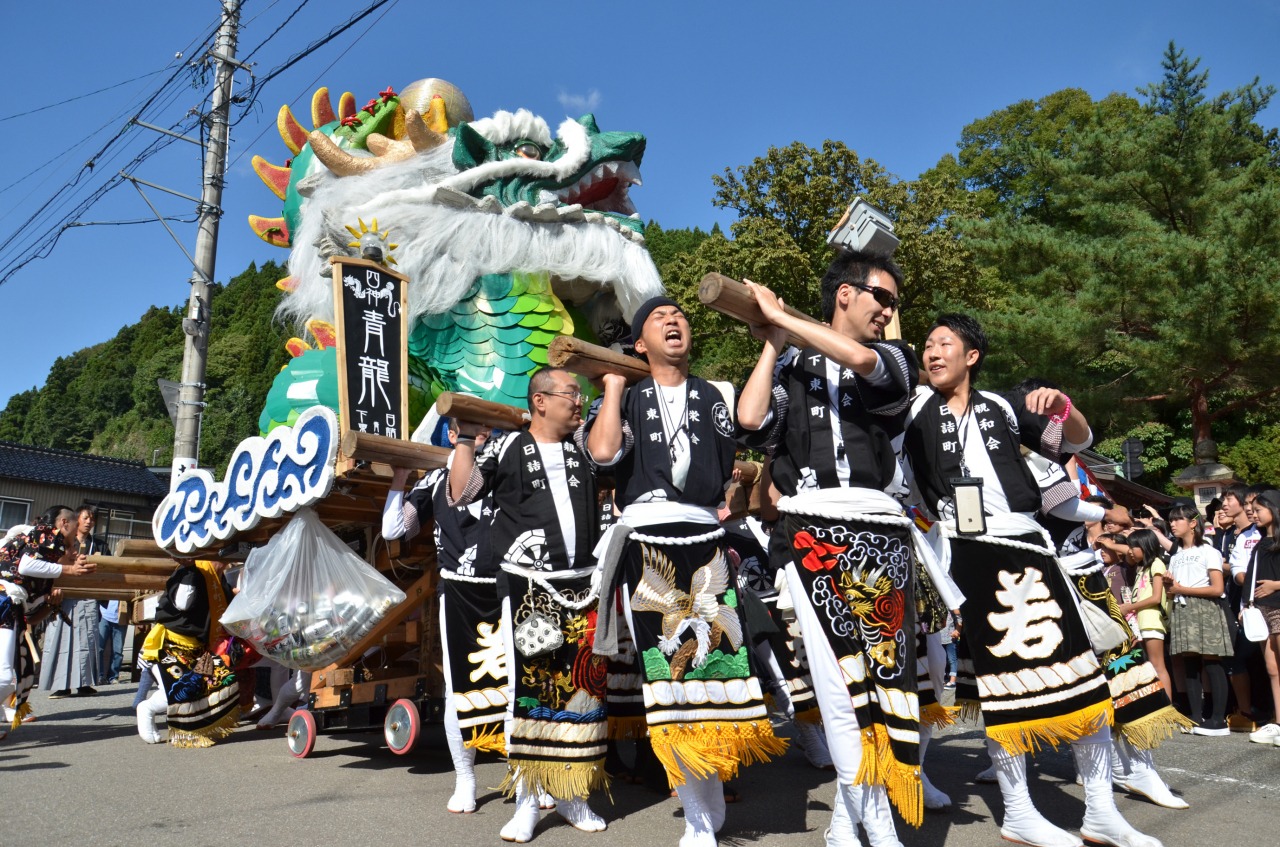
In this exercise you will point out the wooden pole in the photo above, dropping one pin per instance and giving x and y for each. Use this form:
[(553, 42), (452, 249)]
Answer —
[(131, 582), (98, 594), (366, 447), (730, 297), (473, 410), (592, 361), (139, 566)]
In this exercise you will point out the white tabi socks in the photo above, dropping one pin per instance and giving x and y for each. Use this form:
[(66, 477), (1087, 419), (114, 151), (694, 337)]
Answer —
[(1023, 824), (148, 710), (579, 815), (865, 804), (463, 800), (699, 817), (933, 798), (1138, 775), (520, 828), (1102, 820)]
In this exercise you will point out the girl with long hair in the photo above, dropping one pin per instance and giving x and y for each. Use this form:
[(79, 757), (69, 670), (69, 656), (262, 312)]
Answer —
[(1148, 612), (1264, 577), (1198, 629)]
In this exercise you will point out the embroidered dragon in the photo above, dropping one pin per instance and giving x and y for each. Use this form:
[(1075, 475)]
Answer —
[(510, 237)]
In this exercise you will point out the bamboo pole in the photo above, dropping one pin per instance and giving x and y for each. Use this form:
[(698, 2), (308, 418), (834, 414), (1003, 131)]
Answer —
[(366, 447), (592, 360), (473, 410), (730, 297)]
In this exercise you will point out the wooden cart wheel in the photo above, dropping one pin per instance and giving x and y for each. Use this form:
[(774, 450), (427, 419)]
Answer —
[(402, 726), (301, 734)]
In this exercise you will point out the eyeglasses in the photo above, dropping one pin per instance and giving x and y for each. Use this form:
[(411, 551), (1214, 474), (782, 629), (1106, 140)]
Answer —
[(575, 396), (882, 295)]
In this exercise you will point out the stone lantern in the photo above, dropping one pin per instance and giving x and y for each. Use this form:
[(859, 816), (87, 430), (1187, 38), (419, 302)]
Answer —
[(1207, 478)]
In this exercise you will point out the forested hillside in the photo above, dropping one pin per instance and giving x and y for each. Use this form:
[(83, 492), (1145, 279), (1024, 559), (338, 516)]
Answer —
[(104, 399)]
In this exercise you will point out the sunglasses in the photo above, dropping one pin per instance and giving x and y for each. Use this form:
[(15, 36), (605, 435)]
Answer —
[(882, 295)]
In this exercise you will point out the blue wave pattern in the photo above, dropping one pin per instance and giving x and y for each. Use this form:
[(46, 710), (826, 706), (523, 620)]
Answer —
[(545, 713), (290, 468)]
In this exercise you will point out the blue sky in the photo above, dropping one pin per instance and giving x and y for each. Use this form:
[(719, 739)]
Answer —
[(712, 85)]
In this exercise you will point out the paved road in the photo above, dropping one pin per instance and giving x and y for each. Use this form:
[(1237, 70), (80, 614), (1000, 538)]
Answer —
[(80, 775)]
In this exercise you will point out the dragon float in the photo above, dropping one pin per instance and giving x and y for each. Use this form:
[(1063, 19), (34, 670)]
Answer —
[(510, 236)]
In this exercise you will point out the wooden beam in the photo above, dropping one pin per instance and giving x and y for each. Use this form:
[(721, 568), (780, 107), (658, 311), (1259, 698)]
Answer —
[(133, 565), (592, 360), (473, 410), (132, 582), (98, 594), (730, 297), (139, 547), (366, 447)]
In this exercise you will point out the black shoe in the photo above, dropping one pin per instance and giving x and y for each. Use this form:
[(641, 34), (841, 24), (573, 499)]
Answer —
[(86, 691), (1211, 728), (58, 695)]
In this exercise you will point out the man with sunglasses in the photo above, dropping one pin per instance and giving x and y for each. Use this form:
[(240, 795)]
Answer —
[(538, 537), (831, 411)]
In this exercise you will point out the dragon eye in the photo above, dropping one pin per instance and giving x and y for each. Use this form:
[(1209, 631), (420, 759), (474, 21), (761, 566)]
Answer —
[(528, 150)]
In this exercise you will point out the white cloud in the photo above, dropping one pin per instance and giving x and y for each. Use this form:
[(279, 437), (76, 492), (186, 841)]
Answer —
[(580, 104)]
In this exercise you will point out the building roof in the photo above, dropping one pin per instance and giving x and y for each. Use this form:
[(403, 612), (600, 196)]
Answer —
[(78, 470)]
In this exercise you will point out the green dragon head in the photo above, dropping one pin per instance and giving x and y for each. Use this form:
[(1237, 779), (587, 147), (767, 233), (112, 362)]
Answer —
[(469, 203)]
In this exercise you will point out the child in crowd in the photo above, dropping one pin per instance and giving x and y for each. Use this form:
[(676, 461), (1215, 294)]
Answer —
[(1148, 612)]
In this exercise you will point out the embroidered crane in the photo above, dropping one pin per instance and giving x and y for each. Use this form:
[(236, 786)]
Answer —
[(699, 611)]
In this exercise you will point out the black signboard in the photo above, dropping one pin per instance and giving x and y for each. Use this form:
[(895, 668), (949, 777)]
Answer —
[(373, 356)]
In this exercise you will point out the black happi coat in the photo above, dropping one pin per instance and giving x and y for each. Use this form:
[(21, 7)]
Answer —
[(870, 417), (455, 530), (932, 444), (192, 621), (647, 466), (524, 528)]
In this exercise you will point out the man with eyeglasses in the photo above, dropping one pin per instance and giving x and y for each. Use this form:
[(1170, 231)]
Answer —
[(831, 410), (669, 441), (539, 538)]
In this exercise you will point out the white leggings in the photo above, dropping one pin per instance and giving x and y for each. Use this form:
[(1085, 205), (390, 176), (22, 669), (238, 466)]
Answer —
[(838, 718), (8, 674)]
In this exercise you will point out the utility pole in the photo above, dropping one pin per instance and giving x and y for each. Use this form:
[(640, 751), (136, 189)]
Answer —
[(186, 441)]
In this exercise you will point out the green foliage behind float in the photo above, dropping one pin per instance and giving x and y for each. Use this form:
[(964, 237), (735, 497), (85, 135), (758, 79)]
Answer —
[(1134, 246), (104, 399)]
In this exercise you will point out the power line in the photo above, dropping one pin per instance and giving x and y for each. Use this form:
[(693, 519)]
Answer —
[(310, 87), (261, 82), (275, 32), (60, 194), (24, 113)]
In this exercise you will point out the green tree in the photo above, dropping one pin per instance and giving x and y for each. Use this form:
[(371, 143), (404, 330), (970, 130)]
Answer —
[(787, 201), (1138, 249)]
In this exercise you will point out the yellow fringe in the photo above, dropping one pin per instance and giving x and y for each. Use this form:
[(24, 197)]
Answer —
[(714, 747), (936, 715), (880, 767), (968, 711), (208, 735), (562, 780), (630, 728), (811, 715), (1148, 731), (21, 712), (489, 738), (1029, 737)]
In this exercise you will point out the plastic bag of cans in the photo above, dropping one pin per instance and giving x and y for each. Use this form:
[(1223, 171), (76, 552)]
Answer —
[(306, 599)]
